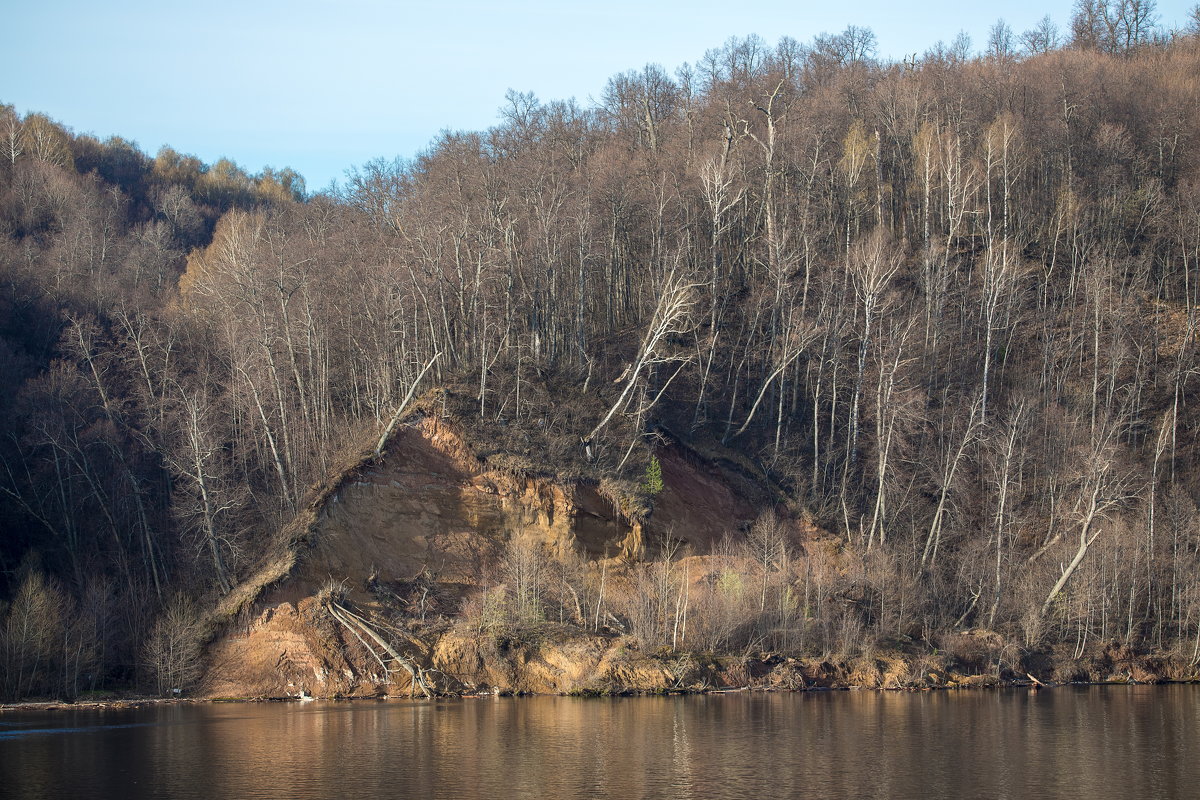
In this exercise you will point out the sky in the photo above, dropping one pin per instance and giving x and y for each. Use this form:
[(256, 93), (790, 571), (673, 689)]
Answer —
[(324, 86)]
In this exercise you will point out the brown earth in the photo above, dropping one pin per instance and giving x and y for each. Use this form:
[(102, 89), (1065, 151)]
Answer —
[(429, 507)]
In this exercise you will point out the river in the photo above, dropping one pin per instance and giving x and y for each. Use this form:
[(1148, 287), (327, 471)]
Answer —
[(1069, 742)]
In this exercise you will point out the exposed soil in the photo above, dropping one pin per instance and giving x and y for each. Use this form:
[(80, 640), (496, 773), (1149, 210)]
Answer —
[(431, 508), (701, 502)]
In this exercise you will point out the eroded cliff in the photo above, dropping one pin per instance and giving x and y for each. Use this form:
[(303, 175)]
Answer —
[(418, 525)]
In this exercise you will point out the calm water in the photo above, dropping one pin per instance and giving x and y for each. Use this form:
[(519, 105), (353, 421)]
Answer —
[(1087, 742)]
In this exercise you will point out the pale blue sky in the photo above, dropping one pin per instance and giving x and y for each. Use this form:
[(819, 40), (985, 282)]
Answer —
[(324, 86)]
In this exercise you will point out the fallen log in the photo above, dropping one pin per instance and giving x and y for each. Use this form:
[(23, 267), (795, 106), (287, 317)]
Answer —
[(355, 623)]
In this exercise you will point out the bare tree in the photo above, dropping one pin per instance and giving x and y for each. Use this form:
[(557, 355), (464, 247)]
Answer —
[(1042, 38), (207, 497), (173, 653), (672, 315), (1102, 487), (872, 266)]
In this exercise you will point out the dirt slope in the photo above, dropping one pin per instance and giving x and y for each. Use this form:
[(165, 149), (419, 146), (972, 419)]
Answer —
[(430, 507)]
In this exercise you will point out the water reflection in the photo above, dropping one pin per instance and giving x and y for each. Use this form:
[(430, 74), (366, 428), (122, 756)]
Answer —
[(1088, 742)]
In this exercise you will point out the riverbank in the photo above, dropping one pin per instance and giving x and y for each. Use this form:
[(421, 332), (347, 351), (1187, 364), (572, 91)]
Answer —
[(528, 670), (110, 705), (76, 705)]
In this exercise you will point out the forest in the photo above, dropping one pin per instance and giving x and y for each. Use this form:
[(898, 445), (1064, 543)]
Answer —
[(947, 307)]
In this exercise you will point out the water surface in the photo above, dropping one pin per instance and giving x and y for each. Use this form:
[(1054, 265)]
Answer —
[(1069, 742)]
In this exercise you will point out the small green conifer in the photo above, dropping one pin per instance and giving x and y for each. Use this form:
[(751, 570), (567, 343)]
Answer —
[(653, 483)]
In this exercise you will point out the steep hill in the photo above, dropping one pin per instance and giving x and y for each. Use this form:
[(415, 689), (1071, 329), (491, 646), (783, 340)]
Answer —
[(794, 352)]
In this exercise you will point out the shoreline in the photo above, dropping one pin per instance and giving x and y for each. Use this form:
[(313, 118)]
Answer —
[(139, 702)]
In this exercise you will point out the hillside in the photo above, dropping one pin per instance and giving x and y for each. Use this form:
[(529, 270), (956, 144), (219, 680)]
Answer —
[(792, 352)]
